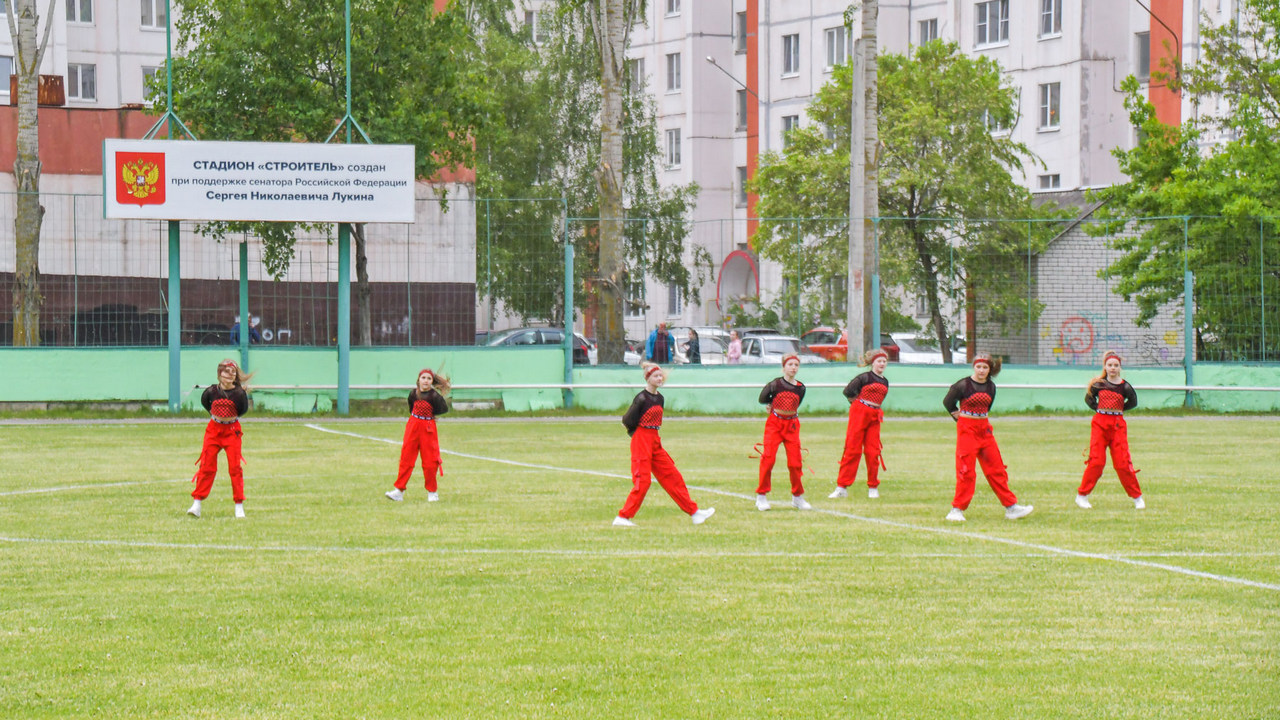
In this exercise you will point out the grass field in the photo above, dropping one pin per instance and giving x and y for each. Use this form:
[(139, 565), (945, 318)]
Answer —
[(513, 597)]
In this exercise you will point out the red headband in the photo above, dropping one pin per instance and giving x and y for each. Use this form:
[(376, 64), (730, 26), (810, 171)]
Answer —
[(878, 352), (790, 356), (650, 371), (1112, 354), (227, 362), (984, 359), (433, 372)]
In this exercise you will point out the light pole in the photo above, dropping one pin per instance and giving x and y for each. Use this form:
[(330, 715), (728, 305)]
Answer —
[(744, 86)]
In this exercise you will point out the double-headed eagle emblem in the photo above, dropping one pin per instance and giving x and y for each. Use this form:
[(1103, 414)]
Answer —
[(141, 178)]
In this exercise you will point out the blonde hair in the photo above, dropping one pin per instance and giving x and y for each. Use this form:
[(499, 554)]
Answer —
[(648, 367), (870, 356)]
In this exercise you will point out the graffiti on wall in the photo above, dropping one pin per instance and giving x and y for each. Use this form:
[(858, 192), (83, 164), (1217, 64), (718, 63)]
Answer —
[(1077, 341)]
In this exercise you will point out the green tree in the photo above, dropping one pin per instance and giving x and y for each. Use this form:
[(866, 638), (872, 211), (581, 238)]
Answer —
[(1222, 172), (538, 163), (941, 169), (255, 70)]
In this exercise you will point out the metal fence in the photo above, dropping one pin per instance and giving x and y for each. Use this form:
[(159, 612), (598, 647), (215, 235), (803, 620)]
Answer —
[(1057, 292)]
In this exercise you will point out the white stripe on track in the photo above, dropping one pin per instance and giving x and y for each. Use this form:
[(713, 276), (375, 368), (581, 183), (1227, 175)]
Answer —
[(34, 491), (1050, 549)]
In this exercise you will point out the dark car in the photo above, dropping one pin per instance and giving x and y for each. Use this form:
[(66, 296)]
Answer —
[(542, 336)]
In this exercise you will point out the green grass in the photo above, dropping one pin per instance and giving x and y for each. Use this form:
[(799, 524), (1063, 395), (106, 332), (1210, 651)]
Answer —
[(514, 597)]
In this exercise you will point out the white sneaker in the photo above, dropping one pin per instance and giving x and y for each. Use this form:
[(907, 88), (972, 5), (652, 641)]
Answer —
[(239, 510), (1015, 511), (956, 515), (839, 492), (1082, 502), (762, 503), (1139, 503), (194, 510), (620, 521), (701, 516), (800, 502), (873, 493), (396, 495), (433, 497)]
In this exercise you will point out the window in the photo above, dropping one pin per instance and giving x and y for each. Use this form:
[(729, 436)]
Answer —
[(1049, 182), (740, 32), (635, 304), (78, 11), (673, 72), (673, 148), (1050, 105), (1050, 18), (837, 46), (1142, 56), (153, 14), (674, 305), (636, 77), (742, 110), (6, 69), (533, 22), (789, 123), (995, 123), (740, 187), (993, 22), (673, 7), (147, 74), (82, 82), (928, 30), (791, 54)]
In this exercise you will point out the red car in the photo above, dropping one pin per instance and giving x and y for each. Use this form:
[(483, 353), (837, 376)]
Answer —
[(825, 342)]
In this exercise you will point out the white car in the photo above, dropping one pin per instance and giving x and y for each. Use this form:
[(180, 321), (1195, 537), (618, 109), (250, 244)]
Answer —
[(770, 349), (913, 348)]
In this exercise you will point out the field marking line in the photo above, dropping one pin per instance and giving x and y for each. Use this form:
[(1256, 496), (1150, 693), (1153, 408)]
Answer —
[(128, 483), (880, 521)]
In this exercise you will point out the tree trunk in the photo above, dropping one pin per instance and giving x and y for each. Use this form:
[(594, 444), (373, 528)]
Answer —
[(29, 214), (871, 151), (610, 30), (364, 313), (931, 291)]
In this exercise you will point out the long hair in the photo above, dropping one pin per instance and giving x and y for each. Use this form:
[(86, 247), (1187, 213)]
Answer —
[(992, 362), (439, 381), (242, 379), (1097, 382)]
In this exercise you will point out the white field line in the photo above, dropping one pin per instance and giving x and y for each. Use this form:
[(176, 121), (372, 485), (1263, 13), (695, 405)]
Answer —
[(63, 488), (879, 521)]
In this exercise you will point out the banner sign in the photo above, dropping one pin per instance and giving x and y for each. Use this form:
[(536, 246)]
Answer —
[(282, 182)]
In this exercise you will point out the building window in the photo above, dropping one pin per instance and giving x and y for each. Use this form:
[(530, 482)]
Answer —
[(740, 32), (635, 303), (789, 123), (742, 110), (636, 77), (1142, 56), (148, 73), (837, 46), (78, 11), (928, 30), (153, 14), (533, 23), (1050, 106), (673, 7), (791, 54), (1049, 182), (995, 123), (993, 22), (1050, 18), (6, 69), (82, 82), (674, 305), (673, 148), (740, 187), (673, 72)]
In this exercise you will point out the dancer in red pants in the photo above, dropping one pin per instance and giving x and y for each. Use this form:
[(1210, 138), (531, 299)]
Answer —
[(1110, 396), (226, 401), (426, 402), (642, 421), (969, 401), (865, 393), (783, 396)]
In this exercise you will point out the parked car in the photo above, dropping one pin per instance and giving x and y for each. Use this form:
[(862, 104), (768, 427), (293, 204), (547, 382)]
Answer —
[(915, 348), (824, 341), (745, 331), (583, 352), (770, 349), (713, 344)]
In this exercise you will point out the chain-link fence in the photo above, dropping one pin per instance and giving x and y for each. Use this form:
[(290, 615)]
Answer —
[(1057, 292)]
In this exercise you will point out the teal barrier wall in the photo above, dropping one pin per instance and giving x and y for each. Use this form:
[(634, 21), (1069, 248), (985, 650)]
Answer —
[(117, 374), (928, 400), (141, 374)]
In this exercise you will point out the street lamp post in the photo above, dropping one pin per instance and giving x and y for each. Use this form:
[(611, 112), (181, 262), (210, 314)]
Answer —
[(744, 86)]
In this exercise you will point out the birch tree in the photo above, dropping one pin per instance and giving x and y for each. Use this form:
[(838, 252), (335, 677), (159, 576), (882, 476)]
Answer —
[(27, 300)]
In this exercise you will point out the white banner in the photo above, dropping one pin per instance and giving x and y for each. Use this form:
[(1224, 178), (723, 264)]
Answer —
[(284, 182)]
